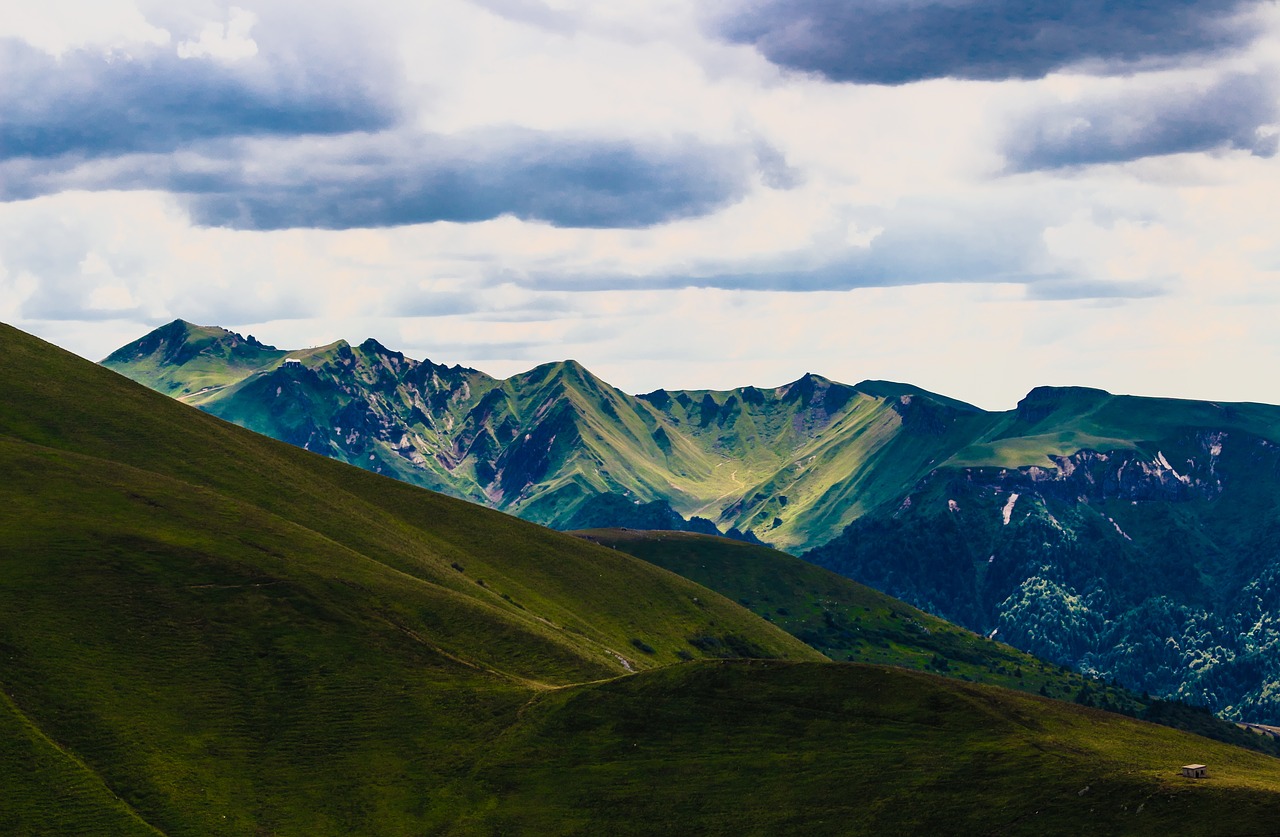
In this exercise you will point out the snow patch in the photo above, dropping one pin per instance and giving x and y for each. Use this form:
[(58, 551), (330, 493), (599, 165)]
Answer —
[(1164, 463), (1121, 531), (1008, 507)]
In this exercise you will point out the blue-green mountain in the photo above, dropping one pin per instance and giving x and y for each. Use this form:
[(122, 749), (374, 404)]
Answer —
[(790, 465)]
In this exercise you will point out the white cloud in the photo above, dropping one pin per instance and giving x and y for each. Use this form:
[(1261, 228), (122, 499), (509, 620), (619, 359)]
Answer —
[(226, 42), (57, 26)]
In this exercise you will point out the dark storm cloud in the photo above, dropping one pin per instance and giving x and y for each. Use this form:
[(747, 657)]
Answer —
[(397, 179), (1137, 124), (900, 41), (562, 181), (300, 136), (90, 104)]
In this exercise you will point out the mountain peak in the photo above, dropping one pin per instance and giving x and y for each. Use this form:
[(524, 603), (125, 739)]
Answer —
[(804, 388), (560, 370), (178, 341), (372, 346), (1045, 393), (1042, 402), (178, 325), (894, 389)]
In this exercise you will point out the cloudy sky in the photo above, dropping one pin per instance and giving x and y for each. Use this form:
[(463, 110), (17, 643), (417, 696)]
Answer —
[(977, 196)]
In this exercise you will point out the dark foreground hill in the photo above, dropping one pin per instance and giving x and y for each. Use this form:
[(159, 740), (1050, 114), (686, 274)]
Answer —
[(203, 631)]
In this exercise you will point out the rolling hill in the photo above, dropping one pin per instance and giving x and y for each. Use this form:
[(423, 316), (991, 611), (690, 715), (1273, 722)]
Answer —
[(206, 631), (849, 621), (846, 620)]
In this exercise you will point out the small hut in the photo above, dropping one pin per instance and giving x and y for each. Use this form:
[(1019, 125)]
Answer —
[(1195, 771)]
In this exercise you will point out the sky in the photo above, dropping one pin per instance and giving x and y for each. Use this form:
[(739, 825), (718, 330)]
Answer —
[(974, 196)]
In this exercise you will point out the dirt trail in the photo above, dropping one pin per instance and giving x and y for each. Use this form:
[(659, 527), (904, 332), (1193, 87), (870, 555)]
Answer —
[(204, 391), (740, 485)]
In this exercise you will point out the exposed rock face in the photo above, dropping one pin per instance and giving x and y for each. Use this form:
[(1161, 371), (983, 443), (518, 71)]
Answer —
[(1157, 569), (1118, 474)]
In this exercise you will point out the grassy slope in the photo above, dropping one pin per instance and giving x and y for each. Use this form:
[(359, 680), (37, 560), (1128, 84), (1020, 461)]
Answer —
[(844, 619), (696, 750), (207, 358), (1065, 421), (557, 580), (599, 439), (870, 454), (223, 625), (47, 790), (234, 636)]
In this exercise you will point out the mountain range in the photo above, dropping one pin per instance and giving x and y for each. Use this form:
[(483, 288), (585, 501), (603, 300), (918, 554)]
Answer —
[(791, 465), (1134, 539), (203, 630)]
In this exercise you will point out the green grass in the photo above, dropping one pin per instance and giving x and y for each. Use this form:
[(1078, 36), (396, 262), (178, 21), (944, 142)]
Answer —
[(1033, 450), (47, 790), (729, 749), (848, 621), (185, 360)]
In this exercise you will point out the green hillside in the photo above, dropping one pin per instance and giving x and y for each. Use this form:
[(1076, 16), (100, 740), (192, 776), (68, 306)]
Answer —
[(72, 408), (203, 631), (1054, 422), (896, 752), (846, 620), (182, 360)]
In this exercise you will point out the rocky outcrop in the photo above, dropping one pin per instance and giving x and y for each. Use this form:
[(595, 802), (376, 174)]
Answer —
[(1118, 474)]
